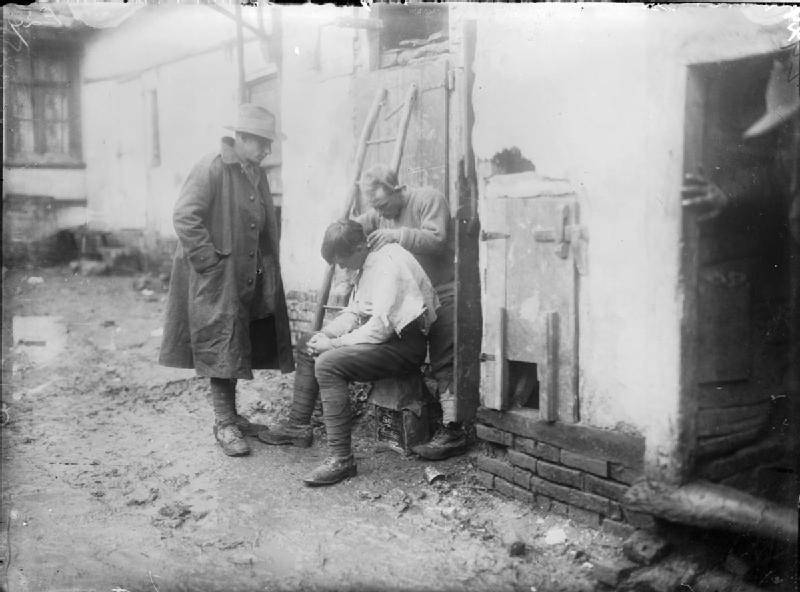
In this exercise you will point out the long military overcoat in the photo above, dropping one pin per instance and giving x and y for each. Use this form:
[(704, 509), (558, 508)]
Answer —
[(223, 218)]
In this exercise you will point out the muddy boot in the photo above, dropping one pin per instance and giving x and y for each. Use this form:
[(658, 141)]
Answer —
[(448, 441), (231, 440), (247, 427), (287, 432), (331, 471)]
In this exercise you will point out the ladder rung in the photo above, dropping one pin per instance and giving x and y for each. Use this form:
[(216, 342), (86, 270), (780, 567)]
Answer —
[(331, 307), (381, 141)]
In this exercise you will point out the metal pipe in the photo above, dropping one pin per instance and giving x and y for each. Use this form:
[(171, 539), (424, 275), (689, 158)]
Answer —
[(711, 505)]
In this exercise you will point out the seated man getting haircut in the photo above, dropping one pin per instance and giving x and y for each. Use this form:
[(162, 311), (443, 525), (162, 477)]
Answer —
[(380, 334)]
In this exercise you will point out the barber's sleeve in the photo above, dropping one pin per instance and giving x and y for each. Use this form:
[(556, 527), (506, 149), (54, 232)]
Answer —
[(431, 236), (190, 216)]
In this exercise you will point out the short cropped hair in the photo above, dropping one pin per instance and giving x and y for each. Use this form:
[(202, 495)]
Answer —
[(342, 238), (379, 175)]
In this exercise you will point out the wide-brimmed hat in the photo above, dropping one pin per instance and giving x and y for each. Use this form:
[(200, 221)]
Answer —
[(254, 119), (782, 100)]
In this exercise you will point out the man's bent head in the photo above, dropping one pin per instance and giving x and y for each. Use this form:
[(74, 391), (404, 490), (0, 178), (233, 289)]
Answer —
[(345, 244)]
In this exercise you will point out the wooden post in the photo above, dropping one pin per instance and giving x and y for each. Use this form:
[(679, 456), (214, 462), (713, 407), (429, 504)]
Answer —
[(402, 130), (548, 402), (241, 92)]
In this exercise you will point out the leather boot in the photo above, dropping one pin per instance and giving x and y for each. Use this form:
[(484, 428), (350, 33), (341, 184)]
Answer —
[(231, 440), (305, 392), (287, 432), (331, 471)]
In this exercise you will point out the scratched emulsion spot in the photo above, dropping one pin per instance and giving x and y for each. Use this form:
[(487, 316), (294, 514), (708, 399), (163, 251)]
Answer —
[(41, 338)]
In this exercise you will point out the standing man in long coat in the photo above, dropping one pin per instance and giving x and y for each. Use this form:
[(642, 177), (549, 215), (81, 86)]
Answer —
[(226, 310)]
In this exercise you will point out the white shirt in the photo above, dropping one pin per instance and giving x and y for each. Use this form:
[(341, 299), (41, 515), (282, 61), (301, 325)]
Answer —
[(392, 290)]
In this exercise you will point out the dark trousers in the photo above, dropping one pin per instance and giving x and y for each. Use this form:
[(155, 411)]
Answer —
[(441, 342), (334, 369)]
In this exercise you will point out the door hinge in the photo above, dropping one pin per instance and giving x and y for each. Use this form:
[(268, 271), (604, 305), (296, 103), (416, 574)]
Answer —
[(488, 235)]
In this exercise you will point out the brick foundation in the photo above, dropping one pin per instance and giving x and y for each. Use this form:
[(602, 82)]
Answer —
[(302, 307), (572, 470)]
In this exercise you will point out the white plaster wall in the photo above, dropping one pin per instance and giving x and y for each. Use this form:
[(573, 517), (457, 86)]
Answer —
[(318, 153), (595, 93), (197, 96)]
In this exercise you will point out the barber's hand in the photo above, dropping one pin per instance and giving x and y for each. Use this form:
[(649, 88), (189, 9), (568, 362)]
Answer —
[(319, 343), (704, 196), (383, 236)]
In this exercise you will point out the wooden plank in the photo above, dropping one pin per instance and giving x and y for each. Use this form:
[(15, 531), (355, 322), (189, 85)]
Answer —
[(742, 425), (548, 395), (723, 332), (716, 446), (693, 143), (493, 286), (616, 447), (711, 420), (746, 458), (730, 395), (540, 282)]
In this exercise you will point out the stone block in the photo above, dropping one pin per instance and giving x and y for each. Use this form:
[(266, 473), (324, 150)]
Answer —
[(614, 511), (604, 487), (550, 489), (622, 473), (584, 463), (617, 528), (585, 517), (537, 449), (639, 519), (644, 548), (522, 477), (496, 467), (523, 460), (559, 474), (490, 434), (612, 571), (485, 479), (557, 507), (513, 491), (590, 501), (543, 503)]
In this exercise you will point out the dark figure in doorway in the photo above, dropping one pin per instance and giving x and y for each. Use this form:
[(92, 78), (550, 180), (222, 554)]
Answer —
[(747, 190)]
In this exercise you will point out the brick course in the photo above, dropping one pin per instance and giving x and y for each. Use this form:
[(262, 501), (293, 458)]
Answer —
[(494, 435), (559, 474), (496, 467), (584, 463), (522, 460), (537, 449), (514, 491), (586, 517), (604, 487)]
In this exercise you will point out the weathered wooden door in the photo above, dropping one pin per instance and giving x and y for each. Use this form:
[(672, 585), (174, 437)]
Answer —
[(532, 247), (425, 155)]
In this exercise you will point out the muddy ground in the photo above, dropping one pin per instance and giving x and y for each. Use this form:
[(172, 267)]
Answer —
[(112, 480)]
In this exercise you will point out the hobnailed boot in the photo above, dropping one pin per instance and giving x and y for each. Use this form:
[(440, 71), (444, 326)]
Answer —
[(287, 432), (331, 471), (231, 440), (448, 441)]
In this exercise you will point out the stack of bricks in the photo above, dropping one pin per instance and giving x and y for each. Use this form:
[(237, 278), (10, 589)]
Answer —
[(302, 307), (569, 469)]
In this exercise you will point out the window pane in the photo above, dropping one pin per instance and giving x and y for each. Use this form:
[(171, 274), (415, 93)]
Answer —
[(21, 104), (18, 65), (23, 137), (55, 104), (54, 137), (50, 69)]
